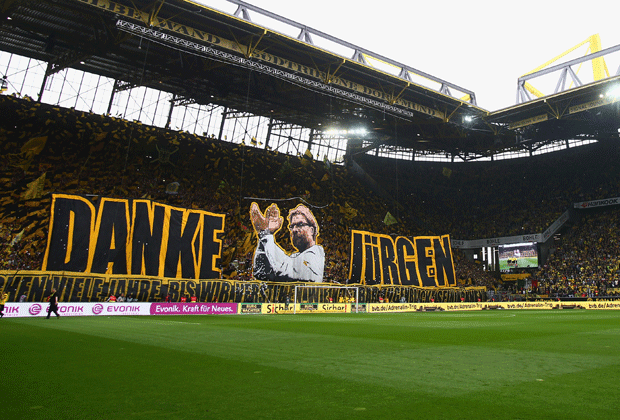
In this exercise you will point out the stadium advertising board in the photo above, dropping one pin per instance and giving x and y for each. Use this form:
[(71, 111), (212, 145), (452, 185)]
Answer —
[(160, 308), (277, 308), (601, 305), (133, 237), (283, 308), (490, 242), (36, 309), (543, 304), (425, 261), (425, 307), (392, 307), (515, 276), (250, 308), (461, 306), (614, 201), (39, 309)]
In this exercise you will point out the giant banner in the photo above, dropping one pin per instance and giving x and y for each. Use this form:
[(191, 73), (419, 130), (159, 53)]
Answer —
[(134, 237), (423, 262), (36, 286)]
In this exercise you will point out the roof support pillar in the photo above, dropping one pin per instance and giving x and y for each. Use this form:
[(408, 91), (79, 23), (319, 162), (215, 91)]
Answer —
[(224, 114), (44, 82)]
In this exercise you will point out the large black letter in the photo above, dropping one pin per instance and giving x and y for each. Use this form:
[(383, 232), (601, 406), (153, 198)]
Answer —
[(70, 227)]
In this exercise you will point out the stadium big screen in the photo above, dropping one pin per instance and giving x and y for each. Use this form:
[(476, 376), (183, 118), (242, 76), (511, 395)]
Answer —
[(523, 255)]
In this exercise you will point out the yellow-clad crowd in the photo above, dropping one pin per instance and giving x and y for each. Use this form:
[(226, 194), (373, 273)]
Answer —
[(47, 149)]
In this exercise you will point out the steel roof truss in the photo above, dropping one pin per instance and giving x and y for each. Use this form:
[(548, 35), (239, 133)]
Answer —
[(574, 77)]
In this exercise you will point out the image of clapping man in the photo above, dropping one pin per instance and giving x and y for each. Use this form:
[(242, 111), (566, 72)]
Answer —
[(271, 262)]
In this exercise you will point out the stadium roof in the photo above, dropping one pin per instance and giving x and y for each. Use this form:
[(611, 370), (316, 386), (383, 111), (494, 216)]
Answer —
[(206, 56)]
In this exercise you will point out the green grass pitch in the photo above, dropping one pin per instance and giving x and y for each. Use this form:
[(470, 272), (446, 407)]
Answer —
[(449, 365), (522, 262)]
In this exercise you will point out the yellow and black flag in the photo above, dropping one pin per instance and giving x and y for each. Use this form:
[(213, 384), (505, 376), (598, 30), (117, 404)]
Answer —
[(34, 188), (389, 219), (348, 211)]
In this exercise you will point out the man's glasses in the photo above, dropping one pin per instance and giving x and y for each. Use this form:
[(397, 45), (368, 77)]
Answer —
[(299, 225)]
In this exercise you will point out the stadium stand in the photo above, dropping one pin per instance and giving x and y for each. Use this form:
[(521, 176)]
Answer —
[(80, 153), (50, 149), (484, 200), (471, 195), (586, 262)]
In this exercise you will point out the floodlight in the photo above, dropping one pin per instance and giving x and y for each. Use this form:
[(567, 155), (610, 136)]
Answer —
[(344, 132), (614, 92)]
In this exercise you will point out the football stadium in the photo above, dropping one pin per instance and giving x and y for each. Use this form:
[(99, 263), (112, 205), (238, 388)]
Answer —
[(215, 211)]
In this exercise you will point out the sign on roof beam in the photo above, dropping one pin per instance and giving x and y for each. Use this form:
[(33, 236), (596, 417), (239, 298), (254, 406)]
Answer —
[(528, 121), (602, 101)]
